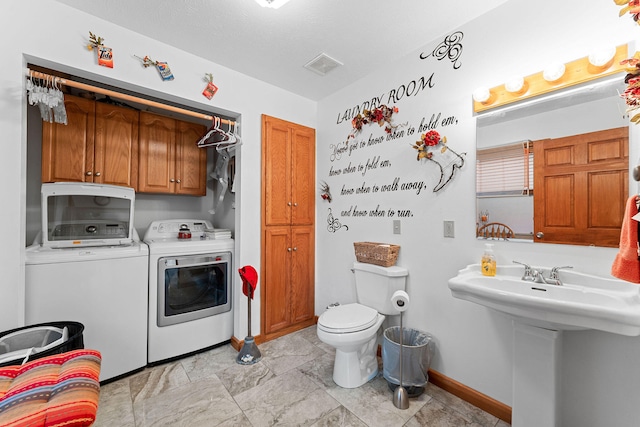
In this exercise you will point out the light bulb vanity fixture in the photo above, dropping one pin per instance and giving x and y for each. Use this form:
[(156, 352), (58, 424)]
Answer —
[(602, 62)]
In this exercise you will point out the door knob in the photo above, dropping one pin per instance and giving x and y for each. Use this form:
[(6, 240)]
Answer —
[(288, 249), (88, 173), (295, 249), (178, 181), (172, 180), (295, 204), (98, 174), (289, 204), (539, 234)]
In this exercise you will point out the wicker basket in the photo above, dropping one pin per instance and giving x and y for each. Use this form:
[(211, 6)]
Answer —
[(382, 254)]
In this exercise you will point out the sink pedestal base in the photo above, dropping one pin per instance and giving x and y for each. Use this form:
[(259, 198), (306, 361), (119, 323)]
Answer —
[(536, 356)]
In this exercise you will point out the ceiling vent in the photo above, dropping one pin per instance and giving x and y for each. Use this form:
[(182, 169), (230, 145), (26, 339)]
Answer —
[(322, 64)]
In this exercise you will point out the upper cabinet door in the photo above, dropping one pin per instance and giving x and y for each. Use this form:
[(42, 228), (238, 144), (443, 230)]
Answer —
[(303, 174), (116, 145), (289, 172), (191, 161), (276, 173), (157, 154), (68, 150)]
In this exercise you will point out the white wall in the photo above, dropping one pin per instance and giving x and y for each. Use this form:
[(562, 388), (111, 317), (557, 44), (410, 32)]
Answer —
[(47, 33), (473, 344)]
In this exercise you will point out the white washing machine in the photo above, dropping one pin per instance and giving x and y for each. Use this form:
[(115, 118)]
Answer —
[(89, 266), (104, 288), (190, 287)]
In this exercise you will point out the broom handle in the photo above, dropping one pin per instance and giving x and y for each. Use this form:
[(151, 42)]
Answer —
[(249, 299)]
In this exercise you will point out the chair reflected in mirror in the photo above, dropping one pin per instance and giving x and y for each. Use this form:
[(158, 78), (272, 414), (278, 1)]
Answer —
[(494, 231)]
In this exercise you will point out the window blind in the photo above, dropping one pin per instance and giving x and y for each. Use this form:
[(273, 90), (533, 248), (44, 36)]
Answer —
[(505, 171)]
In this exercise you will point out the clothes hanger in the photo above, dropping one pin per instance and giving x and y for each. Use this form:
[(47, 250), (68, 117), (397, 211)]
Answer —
[(214, 136)]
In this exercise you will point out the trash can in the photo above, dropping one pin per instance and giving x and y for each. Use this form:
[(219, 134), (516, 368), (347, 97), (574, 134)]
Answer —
[(416, 359), (21, 345)]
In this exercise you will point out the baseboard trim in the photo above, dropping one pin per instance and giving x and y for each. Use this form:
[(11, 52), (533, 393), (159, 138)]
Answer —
[(470, 395)]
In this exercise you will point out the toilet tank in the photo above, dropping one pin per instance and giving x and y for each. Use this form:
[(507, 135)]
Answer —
[(375, 285)]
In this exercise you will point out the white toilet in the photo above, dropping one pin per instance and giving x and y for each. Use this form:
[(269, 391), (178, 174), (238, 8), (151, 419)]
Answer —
[(354, 329)]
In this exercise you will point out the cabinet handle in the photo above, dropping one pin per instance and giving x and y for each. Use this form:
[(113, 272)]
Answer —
[(288, 249), (178, 181), (88, 173), (172, 180), (98, 174), (295, 249), (295, 204), (540, 235), (289, 204)]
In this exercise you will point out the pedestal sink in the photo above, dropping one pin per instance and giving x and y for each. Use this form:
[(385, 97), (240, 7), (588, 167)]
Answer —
[(540, 313)]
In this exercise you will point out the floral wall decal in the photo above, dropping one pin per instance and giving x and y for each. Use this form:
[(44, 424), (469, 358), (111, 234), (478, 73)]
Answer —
[(381, 115), (450, 48), (333, 224), (447, 160), (325, 192)]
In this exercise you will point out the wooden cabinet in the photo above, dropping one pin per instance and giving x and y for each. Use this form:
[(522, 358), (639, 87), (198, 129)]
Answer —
[(170, 160), (288, 173), (99, 144), (289, 276), (288, 230)]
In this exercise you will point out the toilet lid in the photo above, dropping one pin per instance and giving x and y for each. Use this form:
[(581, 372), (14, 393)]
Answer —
[(347, 318)]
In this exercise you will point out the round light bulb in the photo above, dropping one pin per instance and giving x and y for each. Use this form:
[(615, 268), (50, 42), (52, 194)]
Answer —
[(514, 84), (481, 94), (553, 72), (601, 56)]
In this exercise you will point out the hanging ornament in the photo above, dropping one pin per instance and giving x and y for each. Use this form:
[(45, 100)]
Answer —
[(211, 89), (162, 67), (105, 54)]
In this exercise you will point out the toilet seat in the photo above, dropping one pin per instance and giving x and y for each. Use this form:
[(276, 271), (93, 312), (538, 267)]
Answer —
[(347, 318)]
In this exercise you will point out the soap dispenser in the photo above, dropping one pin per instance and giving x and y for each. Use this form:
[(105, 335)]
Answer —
[(488, 261)]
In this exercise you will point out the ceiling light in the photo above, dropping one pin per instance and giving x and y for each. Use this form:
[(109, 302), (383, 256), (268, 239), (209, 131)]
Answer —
[(273, 4)]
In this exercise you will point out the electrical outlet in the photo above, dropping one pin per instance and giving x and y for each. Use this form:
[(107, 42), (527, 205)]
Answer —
[(449, 229), (396, 226)]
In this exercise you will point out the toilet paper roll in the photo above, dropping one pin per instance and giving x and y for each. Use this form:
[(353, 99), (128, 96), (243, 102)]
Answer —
[(400, 300)]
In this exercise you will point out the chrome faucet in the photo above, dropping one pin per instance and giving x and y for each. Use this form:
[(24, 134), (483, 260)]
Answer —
[(554, 277), (530, 273), (536, 276)]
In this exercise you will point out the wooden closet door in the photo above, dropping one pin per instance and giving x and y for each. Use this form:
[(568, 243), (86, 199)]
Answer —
[(68, 150), (276, 290), (116, 145), (157, 154), (303, 176), (276, 174), (302, 274)]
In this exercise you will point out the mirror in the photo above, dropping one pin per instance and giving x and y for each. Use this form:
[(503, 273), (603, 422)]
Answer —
[(579, 110)]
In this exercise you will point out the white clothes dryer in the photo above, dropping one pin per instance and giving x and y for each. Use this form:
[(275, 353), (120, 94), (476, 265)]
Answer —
[(190, 287)]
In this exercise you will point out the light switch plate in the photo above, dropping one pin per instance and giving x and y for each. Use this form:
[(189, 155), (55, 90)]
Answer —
[(396, 226), (449, 229)]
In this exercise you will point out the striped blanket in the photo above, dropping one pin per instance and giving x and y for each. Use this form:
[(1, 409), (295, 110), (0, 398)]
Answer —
[(58, 390)]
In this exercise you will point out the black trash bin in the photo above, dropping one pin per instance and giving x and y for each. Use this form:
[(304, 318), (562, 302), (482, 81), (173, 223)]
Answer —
[(416, 359), (32, 342)]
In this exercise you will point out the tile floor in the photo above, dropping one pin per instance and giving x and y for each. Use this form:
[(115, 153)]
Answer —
[(290, 386)]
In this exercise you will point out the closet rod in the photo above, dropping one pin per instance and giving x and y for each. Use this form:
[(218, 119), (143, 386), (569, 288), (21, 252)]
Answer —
[(114, 94)]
